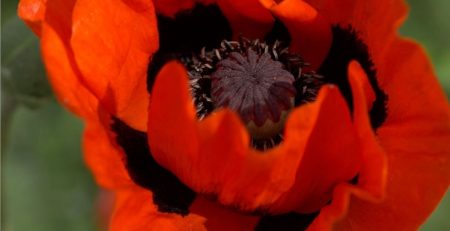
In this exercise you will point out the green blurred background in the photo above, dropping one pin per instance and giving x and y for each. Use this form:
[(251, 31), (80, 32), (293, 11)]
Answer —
[(45, 183)]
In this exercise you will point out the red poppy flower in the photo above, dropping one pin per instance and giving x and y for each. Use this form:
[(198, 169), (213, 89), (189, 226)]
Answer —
[(250, 115)]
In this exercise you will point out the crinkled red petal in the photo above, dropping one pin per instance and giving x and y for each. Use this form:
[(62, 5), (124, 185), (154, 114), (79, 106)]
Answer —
[(376, 22), (214, 156), (372, 176), (221, 218), (103, 156), (309, 29), (415, 137), (112, 49), (58, 60), (33, 13), (135, 211)]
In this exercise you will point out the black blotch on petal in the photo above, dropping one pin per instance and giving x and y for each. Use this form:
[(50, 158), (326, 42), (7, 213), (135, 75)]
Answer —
[(279, 32), (285, 222), (169, 194), (347, 46), (188, 32), (355, 180)]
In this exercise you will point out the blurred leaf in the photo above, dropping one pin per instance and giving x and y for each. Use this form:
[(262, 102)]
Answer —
[(9, 8), (439, 219), (46, 185), (8, 106), (23, 74)]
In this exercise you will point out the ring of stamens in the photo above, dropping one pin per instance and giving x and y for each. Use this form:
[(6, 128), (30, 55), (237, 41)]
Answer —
[(260, 81)]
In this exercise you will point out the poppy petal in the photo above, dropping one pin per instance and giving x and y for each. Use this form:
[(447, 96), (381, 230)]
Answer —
[(174, 142), (372, 176), (104, 157), (33, 13), (310, 32), (112, 50), (138, 201), (247, 18), (226, 164), (415, 143), (324, 166), (104, 205), (171, 109), (415, 136), (62, 72), (62, 76), (216, 214), (376, 22), (280, 176), (52, 23)]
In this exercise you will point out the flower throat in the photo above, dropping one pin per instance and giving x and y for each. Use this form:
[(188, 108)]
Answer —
[(262, 82)]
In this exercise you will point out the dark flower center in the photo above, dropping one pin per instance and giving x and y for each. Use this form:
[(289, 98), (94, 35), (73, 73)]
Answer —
[(256, 87), (261, 82)]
